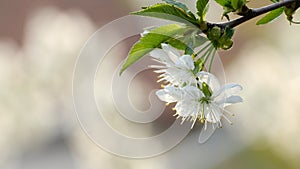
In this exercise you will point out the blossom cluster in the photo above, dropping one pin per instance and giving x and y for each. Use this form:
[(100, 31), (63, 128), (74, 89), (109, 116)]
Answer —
[(198, 94)]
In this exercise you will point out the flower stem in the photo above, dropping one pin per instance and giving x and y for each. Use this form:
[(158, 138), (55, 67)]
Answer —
[(201, 50), (208, 54), (211, 60)]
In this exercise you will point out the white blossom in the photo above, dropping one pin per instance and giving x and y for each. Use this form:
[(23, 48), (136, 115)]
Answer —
[(193, 103), (176, 69)]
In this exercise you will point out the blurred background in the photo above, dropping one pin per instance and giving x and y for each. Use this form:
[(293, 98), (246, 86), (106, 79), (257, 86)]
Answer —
[(40, 41)]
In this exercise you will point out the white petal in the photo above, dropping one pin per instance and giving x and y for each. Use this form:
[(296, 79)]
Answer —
[(160, 55), (212, 115), (171, 51), (229, 101), (228, 89), (206, 133), (234, 99), (169, 94), (212, 81), (184, 109), (192, 93), (186, 61), (187, 108)]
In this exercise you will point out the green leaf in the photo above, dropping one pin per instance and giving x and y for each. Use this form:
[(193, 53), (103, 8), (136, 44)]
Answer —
[(153, 40), (270, 16), (202, 7), (206, 90), (274, 1), (177, 43), (188, 51), (182, 6), (290, 11), (199, 64), (227, 6), (236, 4), (228, 32), (197, 39), (191, 40), (169, 12), (177, 4), (224, 3)]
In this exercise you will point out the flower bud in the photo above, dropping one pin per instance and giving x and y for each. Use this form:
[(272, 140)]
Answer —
[(227, 44), (214, 33)]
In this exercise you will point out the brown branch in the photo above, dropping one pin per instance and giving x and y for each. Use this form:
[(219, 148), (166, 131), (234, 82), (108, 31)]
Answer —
[(252, 13)]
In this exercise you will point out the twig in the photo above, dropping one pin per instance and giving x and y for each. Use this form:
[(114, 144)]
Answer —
[(252, 13)]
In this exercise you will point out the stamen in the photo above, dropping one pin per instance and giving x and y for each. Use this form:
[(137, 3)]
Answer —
[(227, 120), (222, 109), (214, 116), (220, 124), (203, 115), (183, 119), (194, 123), (228, 112), (213, 113), (189, 118), (202, 120), (213, 124)]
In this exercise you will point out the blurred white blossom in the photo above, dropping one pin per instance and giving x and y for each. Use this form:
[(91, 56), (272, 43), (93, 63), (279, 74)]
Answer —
[(36, 78), (271, 79)]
